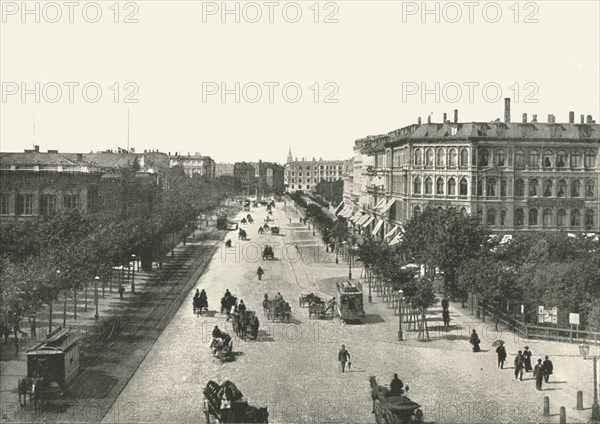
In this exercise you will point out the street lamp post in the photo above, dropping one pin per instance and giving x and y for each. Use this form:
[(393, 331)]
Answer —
[(584, 351), (313, 227), (400, 299), (133, 274), (349, 263), (369, 277), (96, 296), (65, 310)]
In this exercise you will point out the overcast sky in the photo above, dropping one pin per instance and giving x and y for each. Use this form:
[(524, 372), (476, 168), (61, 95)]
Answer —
[(365, 72)]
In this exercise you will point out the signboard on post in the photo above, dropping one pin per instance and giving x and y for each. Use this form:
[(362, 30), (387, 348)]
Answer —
[(547, 316), (573, 319)]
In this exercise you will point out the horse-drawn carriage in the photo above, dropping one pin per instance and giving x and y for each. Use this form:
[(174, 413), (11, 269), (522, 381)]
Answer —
[(249, 218), (275, 230), (222, 346), (277, 309), (306, 299), (227, 302), (246, 323), (242, 234), (226, 404), (320, 309), (200, 302), (268, 253), (261, 230), (392, 408)]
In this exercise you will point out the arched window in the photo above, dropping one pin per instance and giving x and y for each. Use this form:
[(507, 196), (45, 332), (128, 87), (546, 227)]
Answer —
[(519, 158), (463, 186), (519, 217), (417, 186), (483, 157), (480, 216), (464, 157), (589, 189), (534, 158), (519, 188), (548, 156), (547, 217), (440, 159), (452, 157), (464, 211), (480, 187), (548, 188), (491, 216), (575, 159), (452, 187), (440, 209), (440, 186), (575, 218), (429, 157), (491, 186), (561, 218), (561, 159), (429, 186), (417, 211), (533, 188), (503, 188), (500, 157), (590, 159), (502, 218), (589, 219), (576, 188), (418, 157), (533, 216), (561, 188)]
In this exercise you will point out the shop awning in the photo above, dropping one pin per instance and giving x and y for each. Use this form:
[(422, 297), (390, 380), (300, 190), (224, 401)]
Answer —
[(368, 221), (339, 207), (380, 204), (347, 213), (362, 219), (392, 232), (354, 218), (387, 206), (342, 212), (396, 240), (377, 227)]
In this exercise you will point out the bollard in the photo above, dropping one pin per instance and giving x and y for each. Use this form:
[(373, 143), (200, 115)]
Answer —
[(579, 406), (563, 415), (546, 406)]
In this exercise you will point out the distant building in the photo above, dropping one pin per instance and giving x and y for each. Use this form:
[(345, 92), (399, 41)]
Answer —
[(222, 169), (194, 164), (244, 174), (304, 175)]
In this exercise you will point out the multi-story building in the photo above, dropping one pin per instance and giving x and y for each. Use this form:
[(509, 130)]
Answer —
[(304, 175), (515, 176), (222, 169), (245, 174), (194, 164), (270, 177)]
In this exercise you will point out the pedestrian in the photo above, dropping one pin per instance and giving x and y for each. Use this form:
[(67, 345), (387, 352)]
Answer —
[(446, 318), (474, 340), (519, 366), (260, 273), (5, 331), (445, 303), (121, 290), (343, 357), (538, 373), (501, 351), (290, 220), (548, 368), (527, 359)]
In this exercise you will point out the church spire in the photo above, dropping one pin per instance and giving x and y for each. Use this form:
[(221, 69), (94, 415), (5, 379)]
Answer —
[(289, 158)]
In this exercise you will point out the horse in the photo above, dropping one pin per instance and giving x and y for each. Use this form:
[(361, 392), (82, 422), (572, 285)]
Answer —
[(24, 388), (256, 415), (39, 388)]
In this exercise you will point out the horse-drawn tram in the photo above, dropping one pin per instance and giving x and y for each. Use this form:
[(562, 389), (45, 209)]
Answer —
[(226, 404), (393, 408), (350, 306)]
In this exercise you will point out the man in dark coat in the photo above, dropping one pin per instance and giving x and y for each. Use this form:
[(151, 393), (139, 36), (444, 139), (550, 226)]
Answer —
[(242, 308), (538, 373), (527, 359), (519, 366), (260, 273), (343, 357), (396, 387), (474, 340), (501, 351), (548, 368), (446, 318)]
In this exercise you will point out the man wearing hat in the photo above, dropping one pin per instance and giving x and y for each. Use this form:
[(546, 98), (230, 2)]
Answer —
[(343, 357)]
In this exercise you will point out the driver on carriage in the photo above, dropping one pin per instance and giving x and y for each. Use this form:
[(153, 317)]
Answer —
[(396, 387), (202, 299), (216, 333), (196, 297), (241, 308), (228, 243)]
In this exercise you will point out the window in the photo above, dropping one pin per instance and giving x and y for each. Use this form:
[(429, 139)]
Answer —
[(418, 157), (428, 186), (589, 219), (429, 157), (483, 157), (533, 216), (590, 159), (491, 187), (533, 187), (417, 211), (491, 216), (589, 189), (292, 186), (3, 204), (440, 159), (534, 158), (576, 188), (561, 190), (463, 186), (519, 158), (503, 188), (440, 186), (480, 187), (500, 157), (575, 159), (519, 188), (307, 186), (561, 220), (502, 218), (547, 217), (464, 211), (417, 186), (519, 217), (24, 204), (71, 201), (548, 158), (464, 157), (561, 159), (575, 218), (548, 188), (47, 204), (452, 187), (452, 157)]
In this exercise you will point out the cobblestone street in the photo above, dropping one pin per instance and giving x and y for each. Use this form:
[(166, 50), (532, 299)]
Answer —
[(292, 368)]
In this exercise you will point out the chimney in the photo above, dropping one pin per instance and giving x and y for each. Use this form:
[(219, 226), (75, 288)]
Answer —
[(583, 119), (550, 118), (419, 121), (36, 149), (429, 119), (445, 117), (507, 109), (589, 119), (525, 118), (571, 117), (456, 116), (534, 118)]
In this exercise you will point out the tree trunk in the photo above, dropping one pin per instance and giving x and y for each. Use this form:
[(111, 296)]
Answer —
[(33, 325), (50, 316), (85, 297), (74, 303)]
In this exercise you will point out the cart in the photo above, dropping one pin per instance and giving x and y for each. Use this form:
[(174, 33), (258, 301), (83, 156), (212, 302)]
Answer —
[(306, 298), (278, 310), (236, 410), (246, 323), (268, 253), (318, 309), (393, 409), (275, 230)]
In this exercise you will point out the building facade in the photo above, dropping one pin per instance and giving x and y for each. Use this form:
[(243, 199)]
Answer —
[(194, 164), (304, 175)]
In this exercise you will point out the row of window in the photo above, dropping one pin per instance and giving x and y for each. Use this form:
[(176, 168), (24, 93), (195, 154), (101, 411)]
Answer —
[(331, 167), (293, 186), (440, 156), (47, 205), (491, 187)]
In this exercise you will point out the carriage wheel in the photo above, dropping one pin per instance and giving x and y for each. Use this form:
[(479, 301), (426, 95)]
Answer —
[(419, 415), (378, 413)]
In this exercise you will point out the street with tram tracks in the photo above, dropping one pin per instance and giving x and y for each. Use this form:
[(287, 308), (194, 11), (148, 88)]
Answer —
[(292, 368)]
